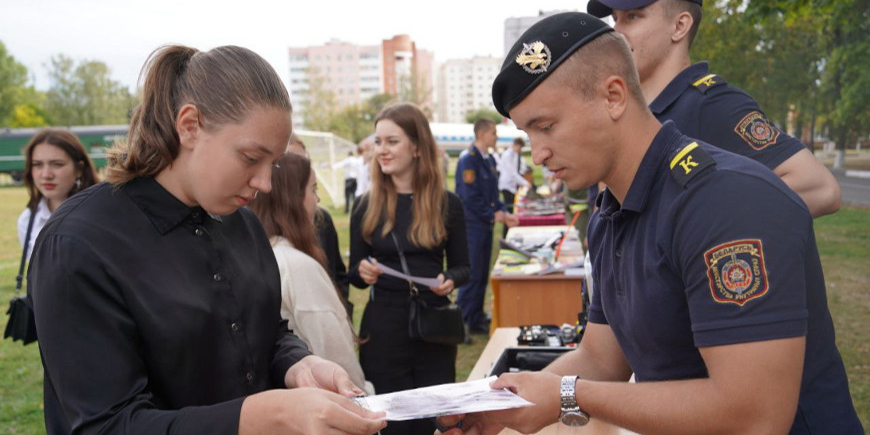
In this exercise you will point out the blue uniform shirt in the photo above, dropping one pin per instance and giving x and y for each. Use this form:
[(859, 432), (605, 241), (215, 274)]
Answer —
[(477, 187), (712, 249), (704, 107)]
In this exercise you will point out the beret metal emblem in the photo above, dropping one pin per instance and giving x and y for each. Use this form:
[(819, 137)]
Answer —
[(534, 58)]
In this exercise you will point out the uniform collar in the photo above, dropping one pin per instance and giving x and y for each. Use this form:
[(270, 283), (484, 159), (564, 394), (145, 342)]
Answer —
[(677, 86), (651, 167), (163, 210)]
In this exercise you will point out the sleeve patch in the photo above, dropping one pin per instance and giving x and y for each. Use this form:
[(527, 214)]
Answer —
[(757, 130), (468, 176), (736, 271)]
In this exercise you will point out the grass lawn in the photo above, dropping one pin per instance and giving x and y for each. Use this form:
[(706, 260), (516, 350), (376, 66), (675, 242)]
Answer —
[(843, 239)]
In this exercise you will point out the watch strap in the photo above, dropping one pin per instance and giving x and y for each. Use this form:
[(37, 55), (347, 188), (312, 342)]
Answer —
[(568, 400)]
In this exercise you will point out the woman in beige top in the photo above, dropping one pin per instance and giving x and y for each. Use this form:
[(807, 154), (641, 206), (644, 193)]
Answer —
[(310, 301)]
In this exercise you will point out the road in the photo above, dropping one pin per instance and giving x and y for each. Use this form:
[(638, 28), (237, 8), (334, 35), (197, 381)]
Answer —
[(855, 187)]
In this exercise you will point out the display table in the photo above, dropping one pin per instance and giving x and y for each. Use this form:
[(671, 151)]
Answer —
[(522, 297), (506, 337), (539, 220), (538, 212)]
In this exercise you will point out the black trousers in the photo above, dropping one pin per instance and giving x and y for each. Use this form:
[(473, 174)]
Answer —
[(508, 199), (392, 361), (349, 192)]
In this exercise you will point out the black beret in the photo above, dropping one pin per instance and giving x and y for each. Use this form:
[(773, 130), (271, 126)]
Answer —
[(539, 51)]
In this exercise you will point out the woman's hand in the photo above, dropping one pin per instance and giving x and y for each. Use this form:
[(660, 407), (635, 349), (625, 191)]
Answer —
[(314, 371), (369, 272), (444, 288), (306, 411)]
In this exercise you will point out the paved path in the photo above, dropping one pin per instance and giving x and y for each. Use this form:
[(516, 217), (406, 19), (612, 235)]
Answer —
[(855, 187)]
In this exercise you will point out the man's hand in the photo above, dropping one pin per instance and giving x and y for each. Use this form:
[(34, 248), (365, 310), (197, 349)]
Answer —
[(511, 220), (540, 388), (314, 371)]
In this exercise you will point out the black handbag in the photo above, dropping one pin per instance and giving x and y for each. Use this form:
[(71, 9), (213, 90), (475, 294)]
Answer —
[(441, 325), (21, 325)]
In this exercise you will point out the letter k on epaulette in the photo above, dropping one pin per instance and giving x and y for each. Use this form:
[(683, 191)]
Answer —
[(690, 161), (707, 82)]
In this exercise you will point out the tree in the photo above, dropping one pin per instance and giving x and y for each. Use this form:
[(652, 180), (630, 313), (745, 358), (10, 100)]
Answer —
[(13, 77), (842, 59), (414, 88), (484, 113), (84, 94), (320, 104)]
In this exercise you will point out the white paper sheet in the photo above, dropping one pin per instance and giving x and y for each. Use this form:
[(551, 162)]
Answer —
[(445, 399), (428, 282)]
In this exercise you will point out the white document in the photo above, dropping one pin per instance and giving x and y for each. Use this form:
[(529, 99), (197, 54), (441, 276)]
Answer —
[(445, 399), (428, 282)]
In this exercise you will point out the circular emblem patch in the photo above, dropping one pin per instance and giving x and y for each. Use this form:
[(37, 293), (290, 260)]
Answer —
[(736, 275), (534, 57), (736, 271), (757, 130)]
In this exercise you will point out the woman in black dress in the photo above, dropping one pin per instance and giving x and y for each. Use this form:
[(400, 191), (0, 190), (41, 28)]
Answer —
[(407, 200)]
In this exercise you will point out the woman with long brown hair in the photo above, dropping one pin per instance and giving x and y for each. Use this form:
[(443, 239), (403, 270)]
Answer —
[(311, 302), (56, 166), (406, 207)]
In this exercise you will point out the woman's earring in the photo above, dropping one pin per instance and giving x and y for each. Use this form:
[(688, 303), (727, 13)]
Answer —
[(78, 182)]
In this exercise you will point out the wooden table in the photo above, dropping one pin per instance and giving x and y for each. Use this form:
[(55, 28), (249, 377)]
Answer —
[(506, 337), (519, 297)]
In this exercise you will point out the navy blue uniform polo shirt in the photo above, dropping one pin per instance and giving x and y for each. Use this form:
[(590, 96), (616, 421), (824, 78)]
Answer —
[(712, 249), (477, 186), (705, 107)]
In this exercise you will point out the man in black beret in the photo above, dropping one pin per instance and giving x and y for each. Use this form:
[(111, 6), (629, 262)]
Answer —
[(709, 287), (702, 105)]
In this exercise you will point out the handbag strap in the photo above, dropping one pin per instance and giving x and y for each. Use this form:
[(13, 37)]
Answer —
[(405, 268), (20, 276)]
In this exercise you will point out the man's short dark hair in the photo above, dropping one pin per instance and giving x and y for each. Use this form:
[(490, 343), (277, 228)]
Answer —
[(482, 124), (672, 8)]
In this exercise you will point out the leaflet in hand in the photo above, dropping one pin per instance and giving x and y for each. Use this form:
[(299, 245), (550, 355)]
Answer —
[(428, 282), (444, 399)]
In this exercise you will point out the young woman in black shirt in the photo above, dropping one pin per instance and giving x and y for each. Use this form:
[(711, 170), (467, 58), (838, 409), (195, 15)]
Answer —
[(157, 295), (407, 198)]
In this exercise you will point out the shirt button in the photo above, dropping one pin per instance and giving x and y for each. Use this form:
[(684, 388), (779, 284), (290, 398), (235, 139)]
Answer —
[(217, 277), (236, 326), (198, 232), (249, 377), (619, 252)]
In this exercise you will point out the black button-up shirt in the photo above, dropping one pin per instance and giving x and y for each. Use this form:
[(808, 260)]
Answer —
[(154, 317)]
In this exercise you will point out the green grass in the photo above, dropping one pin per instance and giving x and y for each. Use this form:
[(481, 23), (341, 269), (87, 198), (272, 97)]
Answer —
[(844, 245)]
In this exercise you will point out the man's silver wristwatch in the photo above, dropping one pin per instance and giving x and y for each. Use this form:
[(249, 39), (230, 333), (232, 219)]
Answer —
[(571, 414)]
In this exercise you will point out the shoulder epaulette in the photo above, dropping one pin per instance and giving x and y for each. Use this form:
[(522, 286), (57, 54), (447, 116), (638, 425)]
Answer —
[(707, 82), (690, 161)]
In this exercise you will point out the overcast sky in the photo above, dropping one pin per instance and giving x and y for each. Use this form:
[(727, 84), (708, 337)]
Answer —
[(122, 33)]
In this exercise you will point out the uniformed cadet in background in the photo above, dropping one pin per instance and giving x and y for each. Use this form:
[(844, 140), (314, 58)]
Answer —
[(702, 104), (477, 187), (709, 287)]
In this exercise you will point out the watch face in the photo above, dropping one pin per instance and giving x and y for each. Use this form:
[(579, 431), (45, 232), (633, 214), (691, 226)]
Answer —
[(574, 419)]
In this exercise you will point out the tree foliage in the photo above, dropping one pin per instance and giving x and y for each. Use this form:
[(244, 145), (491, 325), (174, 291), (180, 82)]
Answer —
[(13, 78), (83, 93), (807, 59), (484, 113)]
